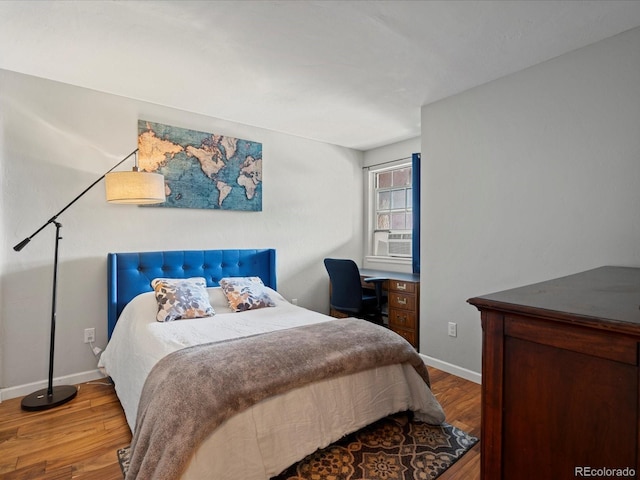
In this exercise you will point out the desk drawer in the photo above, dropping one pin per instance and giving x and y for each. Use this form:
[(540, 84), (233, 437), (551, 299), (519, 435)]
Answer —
[(408, 335), (402, 318), (399, 300), (401, 286)]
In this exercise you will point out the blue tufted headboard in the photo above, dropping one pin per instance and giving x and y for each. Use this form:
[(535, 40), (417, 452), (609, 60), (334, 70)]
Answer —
[(130, 274)]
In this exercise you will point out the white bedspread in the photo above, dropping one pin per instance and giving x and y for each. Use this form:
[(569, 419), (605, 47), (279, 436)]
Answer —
[(273, 434)]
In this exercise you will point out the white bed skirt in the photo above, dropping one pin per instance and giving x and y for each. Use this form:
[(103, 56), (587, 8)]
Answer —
[(273, 434)]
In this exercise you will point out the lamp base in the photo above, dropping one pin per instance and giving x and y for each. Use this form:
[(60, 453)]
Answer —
[(40, 400)]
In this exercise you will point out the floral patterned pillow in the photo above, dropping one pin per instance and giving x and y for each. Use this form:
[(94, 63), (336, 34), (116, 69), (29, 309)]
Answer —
[(245, 293), (180, 298)]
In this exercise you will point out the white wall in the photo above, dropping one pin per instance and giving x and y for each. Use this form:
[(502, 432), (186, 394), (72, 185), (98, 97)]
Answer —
[(56, 139), (529, 177), (394, 151)]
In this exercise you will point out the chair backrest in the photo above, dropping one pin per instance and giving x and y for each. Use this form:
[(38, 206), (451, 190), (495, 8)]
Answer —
[(346, 289)]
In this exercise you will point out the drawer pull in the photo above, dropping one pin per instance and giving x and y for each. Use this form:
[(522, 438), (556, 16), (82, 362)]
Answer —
[(401, 301), (401, 286)]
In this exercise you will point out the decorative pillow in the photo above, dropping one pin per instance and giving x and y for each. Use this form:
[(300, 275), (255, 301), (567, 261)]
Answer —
[(180, 298), (245, 293)]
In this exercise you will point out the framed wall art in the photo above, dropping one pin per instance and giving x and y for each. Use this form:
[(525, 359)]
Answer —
[(202, 170)]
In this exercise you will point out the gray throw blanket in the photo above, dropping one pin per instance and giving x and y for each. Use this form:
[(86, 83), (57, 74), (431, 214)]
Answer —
[(192, 391)]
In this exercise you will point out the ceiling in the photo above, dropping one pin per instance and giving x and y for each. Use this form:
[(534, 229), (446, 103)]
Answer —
[(350, 73)]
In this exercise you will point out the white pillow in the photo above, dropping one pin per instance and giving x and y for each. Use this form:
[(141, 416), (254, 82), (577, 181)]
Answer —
[(218, 300)]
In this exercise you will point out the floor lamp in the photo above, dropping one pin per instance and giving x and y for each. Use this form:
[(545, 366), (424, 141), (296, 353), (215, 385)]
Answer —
[(132, 187)]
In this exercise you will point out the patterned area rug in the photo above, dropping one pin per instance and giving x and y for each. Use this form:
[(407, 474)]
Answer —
[(394, 448)]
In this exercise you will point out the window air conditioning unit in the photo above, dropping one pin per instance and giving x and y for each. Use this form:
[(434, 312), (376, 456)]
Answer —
[(400, 243), (381, 243)]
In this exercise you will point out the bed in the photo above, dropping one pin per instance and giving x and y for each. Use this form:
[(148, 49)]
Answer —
[(261, 439)]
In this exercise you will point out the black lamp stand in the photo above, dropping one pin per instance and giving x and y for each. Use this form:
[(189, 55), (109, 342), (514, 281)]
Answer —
[(51, 396)]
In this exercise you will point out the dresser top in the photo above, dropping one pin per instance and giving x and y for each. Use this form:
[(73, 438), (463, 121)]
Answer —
[(606, 294)]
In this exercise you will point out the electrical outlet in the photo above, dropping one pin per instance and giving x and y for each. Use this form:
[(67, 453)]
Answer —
[(453, 329), (89, 335)]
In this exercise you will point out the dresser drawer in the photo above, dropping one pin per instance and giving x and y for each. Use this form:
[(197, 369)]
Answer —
[(402, 286), (402, 318), (399, 300)]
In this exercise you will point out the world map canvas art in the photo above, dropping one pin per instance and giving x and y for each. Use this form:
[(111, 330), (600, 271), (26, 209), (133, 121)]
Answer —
[(202, 170)]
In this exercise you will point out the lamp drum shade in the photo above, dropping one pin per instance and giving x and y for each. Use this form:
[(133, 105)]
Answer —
[(141, 188)]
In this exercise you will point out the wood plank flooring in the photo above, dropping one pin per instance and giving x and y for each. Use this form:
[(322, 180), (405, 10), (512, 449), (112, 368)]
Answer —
[(79, 439), (460, 400)]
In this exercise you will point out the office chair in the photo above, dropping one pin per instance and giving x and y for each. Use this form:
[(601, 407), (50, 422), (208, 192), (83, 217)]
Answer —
[(347, 294)]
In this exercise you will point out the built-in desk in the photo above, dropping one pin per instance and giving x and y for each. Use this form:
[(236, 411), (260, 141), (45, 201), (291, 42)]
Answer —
[(403, 291)]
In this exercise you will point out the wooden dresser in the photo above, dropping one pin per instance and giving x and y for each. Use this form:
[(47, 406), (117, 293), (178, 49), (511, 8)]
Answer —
[(403, 292), (560, 378)]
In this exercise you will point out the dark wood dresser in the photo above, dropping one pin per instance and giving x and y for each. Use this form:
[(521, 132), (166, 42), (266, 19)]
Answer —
[(560, 378)]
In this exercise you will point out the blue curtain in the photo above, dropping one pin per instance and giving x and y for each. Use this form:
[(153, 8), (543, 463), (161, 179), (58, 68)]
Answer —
[(415, 247)]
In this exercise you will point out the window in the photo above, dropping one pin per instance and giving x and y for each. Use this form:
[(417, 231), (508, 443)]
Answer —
[(393, 194), (393, 214), (390, 212)]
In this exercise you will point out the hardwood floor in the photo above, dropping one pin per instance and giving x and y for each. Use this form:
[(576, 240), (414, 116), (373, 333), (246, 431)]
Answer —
[(460, 400), (76, 440), (80, 439)]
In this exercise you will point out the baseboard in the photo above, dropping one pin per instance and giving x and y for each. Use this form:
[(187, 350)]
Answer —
[(452, 369), (26, 389)]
